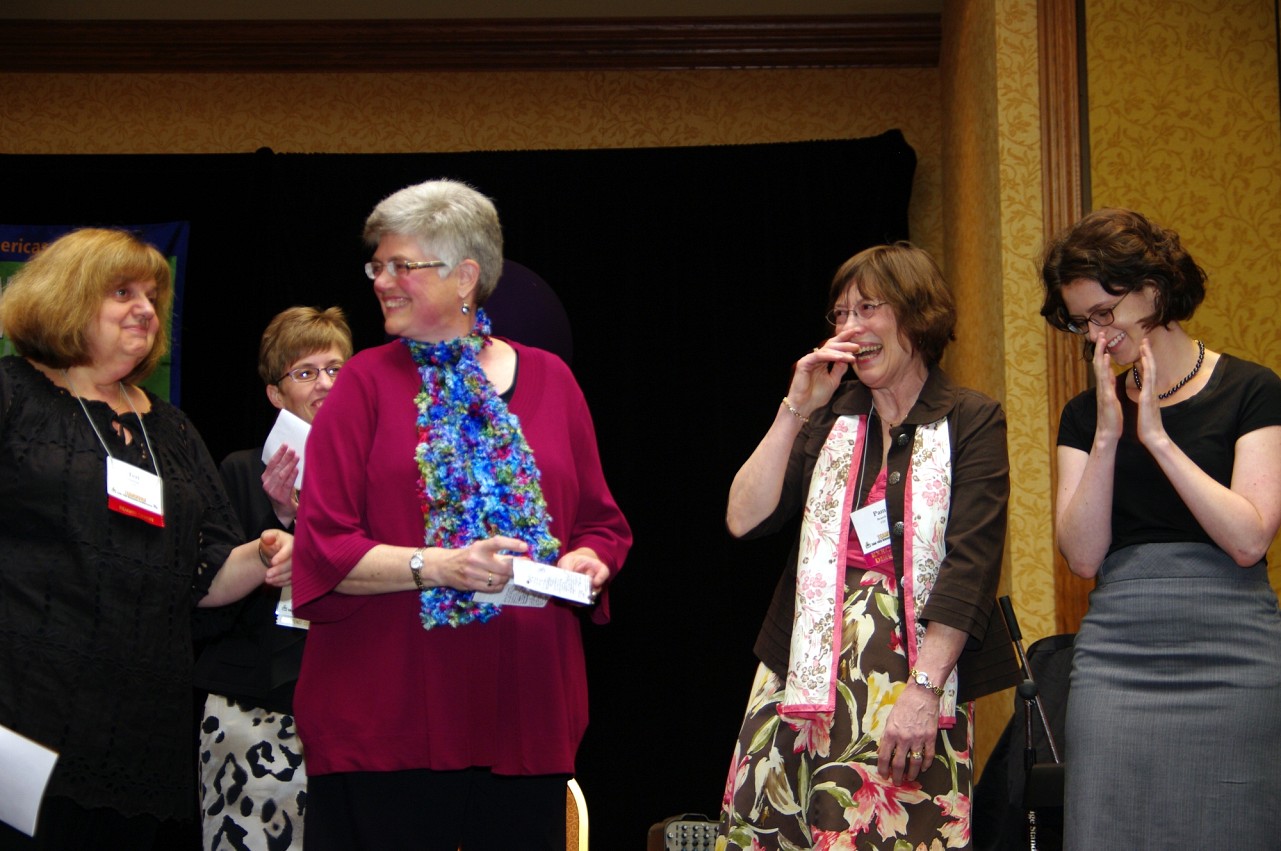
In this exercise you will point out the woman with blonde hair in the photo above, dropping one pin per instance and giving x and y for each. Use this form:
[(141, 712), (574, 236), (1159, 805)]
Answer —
[(114, 525)]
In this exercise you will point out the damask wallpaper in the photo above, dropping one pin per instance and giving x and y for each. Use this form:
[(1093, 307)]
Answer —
[(1185, 126), (992, 204)]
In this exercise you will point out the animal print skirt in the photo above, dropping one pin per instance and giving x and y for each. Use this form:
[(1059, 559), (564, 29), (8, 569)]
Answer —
[(253, 786)]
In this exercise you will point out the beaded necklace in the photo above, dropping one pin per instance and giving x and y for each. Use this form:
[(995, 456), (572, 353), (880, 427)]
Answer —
[(1200, 357), (476, 470)]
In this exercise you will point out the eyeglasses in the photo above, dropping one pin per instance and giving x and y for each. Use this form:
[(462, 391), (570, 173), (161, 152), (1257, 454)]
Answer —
[(400, 268), (1101, 318), (838, 316), (307, 374)]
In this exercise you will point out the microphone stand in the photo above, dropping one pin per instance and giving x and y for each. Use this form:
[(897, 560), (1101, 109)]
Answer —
[(1028, 691), (1007, 611)]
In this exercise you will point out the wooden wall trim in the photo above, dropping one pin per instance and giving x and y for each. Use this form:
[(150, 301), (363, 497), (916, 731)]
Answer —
[(1064, 203), (844, 41)]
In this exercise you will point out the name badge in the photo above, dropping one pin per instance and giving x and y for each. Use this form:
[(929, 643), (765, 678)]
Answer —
[(872, 525), (133, 491), (285, 611)]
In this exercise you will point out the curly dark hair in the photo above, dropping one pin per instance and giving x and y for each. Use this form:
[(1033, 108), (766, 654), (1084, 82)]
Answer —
[(1124, 251)]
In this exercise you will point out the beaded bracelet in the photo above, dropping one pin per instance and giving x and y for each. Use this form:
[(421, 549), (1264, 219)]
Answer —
[(794, 412)]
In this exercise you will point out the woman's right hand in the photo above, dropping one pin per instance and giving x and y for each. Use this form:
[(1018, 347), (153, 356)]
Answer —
[(756, 489), (1108, 419), (817, 375), (484, 565)]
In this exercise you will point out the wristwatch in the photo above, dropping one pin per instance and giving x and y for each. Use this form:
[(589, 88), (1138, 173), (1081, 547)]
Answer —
[(416, 568), (923, 680)]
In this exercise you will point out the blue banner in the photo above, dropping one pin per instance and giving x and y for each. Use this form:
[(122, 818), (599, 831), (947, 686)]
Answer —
[(19, 242)]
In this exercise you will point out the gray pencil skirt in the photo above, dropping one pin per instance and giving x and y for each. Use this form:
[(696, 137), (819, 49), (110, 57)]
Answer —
[(1174, 712)]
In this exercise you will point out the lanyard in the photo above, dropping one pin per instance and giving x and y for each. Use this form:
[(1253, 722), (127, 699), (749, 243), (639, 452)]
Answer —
[(155, 462)]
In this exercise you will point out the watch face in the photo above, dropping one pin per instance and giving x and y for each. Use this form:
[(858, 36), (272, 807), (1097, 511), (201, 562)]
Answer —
[(922, 679), (416, 561)]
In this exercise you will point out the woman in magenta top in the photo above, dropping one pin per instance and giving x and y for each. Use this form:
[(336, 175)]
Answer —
[(433, 719)]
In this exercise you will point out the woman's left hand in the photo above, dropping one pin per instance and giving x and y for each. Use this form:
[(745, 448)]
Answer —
[(910, 730), (1151, 428), (585, 560), (276, 549), (278, 479)]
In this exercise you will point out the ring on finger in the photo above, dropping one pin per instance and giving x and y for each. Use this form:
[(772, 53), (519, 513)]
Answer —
[(915, 756), (489, 580)]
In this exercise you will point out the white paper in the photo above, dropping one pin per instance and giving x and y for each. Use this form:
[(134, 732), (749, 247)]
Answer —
[(512, 595), (291, 431), (285, 610), (555, 581), (25, 767), (533, 583)]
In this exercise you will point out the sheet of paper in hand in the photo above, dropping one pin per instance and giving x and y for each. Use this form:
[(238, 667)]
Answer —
[(532, 583), (292, 431)]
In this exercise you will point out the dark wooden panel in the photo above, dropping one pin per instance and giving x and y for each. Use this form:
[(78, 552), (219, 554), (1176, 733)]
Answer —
[(1062, 139), (844, 41)]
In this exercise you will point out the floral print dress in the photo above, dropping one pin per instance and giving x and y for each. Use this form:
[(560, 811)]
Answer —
[(801, 783)]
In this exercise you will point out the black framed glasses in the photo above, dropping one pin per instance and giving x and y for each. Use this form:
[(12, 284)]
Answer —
[(399, 268), (307, 374), (838, 315), (1102, 318)]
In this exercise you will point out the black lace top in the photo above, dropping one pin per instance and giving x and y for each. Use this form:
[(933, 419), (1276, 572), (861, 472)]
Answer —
[(95, 607)]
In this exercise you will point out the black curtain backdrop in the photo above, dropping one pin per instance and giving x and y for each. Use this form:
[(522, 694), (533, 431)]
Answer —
[(692, 277)]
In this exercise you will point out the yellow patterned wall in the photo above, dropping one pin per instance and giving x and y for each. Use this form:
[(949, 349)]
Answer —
[(992, 207), (402, 113), (1185, 125)]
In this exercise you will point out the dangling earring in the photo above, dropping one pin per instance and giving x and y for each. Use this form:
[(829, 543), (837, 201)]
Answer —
[(466, 309)]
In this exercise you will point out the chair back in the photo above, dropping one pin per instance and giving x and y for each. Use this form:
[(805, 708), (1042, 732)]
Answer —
[(575, 817)]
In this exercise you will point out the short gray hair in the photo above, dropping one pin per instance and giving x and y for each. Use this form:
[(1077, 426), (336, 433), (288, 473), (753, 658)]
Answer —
[(449, 219)]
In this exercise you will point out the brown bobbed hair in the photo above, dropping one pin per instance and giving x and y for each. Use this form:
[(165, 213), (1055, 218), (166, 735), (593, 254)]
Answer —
[(297, 332), (910, 281), (1123, 250), (52, 301)]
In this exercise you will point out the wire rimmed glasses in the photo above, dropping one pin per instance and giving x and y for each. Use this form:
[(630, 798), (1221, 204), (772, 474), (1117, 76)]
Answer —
[(838, 315), (399, 268), (1102, 318), (308, 374)]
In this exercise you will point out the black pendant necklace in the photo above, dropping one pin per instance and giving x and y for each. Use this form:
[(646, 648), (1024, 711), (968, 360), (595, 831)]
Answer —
[(1200, 358)]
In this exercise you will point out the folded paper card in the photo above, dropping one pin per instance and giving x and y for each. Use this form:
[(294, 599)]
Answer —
[(532, 583), (555, 581)]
